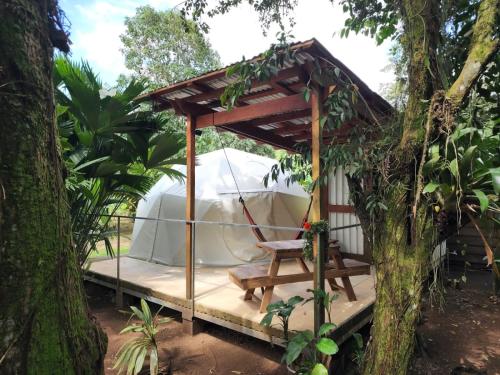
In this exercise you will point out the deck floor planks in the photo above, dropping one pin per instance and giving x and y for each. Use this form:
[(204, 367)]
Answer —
[(217, 296)]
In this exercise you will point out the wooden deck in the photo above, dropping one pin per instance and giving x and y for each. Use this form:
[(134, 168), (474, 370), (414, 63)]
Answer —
[(220, 301)]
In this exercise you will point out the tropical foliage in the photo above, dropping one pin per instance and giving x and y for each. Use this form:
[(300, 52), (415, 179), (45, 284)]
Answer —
[(282, 311), (133, 353), (108, 143), (307, 353), (162, 47), (464, 171)]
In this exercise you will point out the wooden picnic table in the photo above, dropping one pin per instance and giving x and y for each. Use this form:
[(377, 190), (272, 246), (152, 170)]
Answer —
[(250, 277)]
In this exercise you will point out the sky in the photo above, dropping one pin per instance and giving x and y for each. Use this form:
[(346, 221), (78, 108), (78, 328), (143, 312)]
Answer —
[(97, 24)]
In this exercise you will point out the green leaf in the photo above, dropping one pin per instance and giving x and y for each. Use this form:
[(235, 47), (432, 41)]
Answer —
[(359, 340), (293, 351), (146, 311), (495, 178), (294, 300), (307, 94), (325, 328), (454, 167), (167, 145), (327, 346), (319, 369), (267, 319), (133, 358), (430, 187), (88, 163), (466, 159), (140, 359), (153, 361), (137, 312), (131, 328), (107, 168), (296, 345), (483, 199)]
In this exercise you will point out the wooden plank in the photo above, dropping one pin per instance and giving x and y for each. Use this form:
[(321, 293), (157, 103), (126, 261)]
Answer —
[(338, 263), (266, 280), (254, 111), (190, 199), (281, 245), (293, 129), (277, 118), (318, 210), (261, 135), (268, 293)]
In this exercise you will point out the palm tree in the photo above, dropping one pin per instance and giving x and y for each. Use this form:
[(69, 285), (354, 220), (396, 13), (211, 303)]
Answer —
[(111, 144)]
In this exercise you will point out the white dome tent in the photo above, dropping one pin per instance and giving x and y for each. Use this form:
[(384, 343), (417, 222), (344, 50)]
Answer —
[(216, 199)]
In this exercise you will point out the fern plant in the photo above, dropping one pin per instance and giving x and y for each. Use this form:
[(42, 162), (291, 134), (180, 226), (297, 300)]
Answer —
[(133, 353)]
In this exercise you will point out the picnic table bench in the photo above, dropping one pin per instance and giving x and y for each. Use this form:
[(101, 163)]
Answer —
[(250, 277)]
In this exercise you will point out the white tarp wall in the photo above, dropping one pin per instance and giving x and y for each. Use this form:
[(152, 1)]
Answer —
[(217, 200), (351, 239)]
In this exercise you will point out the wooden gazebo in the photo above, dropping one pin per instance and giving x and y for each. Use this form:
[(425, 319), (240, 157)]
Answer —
[(273, 112)]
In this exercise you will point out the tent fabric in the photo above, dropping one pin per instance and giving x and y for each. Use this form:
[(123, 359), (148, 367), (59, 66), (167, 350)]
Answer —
[(217, 199)]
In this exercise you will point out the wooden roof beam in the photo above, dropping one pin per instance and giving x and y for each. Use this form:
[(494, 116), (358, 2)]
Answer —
[(278, 118), (253, 111), (294, 129), (263, 136)]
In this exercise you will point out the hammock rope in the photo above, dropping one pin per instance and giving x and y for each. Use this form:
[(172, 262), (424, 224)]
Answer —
[(256, 231)]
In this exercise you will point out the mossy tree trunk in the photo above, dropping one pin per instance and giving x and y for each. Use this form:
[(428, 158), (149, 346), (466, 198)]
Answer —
[(45, 326), (403, 237)]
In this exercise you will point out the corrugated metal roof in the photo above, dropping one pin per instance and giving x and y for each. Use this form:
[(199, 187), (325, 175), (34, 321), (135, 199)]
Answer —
[(291, 84)]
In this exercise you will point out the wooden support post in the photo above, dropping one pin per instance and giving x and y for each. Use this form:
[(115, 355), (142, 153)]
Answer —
[(190, 199), (119, 293), (318, 207)]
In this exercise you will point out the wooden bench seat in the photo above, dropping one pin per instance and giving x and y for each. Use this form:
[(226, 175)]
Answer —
[(256, 276), (353, 266), (245, 276)]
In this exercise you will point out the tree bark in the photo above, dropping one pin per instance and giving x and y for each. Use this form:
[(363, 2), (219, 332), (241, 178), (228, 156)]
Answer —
[(404, 239), (401, 268), (45, 325)]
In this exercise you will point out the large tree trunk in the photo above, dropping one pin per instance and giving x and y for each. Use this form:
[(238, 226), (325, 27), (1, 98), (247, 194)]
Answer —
[(403, 239), (400, 270), (45, 326)]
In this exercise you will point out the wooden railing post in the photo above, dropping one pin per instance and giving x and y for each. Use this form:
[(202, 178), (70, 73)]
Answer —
[(119, 294), (190, 200), (318, 208)]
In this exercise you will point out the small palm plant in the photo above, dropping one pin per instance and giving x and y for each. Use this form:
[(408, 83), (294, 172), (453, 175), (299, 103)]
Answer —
[(132, 354)]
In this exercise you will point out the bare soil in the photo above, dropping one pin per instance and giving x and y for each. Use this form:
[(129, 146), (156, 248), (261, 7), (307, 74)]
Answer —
[(464, 337), (215, 350)]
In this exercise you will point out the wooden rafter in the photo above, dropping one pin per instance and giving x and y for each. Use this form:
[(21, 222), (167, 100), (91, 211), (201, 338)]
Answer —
[(264, 136), (254, 111)]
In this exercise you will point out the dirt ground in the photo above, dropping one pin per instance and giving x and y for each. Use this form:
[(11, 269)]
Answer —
[(215, 351), (463, 338)]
